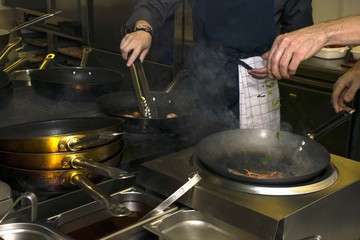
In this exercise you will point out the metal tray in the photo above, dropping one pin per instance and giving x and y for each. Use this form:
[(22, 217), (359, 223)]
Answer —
[(92, 221), (194, 225), (26, 231)]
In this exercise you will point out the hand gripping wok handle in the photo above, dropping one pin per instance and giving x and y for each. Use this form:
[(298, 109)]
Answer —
[(107, 171), (327, 127), (115, 208), (193, 180)]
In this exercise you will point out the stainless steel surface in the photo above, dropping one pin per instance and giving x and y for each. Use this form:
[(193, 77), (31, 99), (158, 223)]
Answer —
[(33, 200), (26, 231), (93, 215), (331, 212), (193, 179), (195, 225)]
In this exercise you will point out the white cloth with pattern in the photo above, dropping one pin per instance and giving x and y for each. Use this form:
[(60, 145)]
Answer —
[(259, 100)]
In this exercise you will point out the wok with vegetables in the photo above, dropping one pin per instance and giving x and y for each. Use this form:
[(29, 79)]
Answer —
[(267, 156)]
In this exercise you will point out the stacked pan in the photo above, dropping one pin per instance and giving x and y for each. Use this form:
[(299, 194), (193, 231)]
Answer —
[(57, 156)]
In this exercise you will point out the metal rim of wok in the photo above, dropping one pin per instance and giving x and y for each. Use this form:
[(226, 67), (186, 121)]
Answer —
[(119, 103), (76, 83), (294, 158), (44, 136)]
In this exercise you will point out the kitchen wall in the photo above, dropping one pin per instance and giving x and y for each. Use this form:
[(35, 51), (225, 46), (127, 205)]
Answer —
[(324, 10), (6, 13)]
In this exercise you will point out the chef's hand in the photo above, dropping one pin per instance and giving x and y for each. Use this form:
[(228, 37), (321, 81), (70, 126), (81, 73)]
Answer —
[(139, 42), (290, 49), (345, 88)]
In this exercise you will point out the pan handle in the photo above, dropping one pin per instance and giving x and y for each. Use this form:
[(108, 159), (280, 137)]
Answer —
[(107, 171), (327, 127), (74, 144), (33, 21), (48, 59), (115, 208), (178, 76), (10, 46)]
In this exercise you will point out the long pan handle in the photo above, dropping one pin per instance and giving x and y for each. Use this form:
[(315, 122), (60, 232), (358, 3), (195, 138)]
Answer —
[(327, 127), (115, 208), (33, 21), (48, 59), (10, 46), (107, 171)]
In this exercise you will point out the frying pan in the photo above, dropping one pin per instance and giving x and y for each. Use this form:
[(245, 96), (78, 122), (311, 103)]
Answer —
[(59, 160), (5, 34), (75, 83), (119, 103), (22, 77), (60, 181), (56, 135), (266, 156)]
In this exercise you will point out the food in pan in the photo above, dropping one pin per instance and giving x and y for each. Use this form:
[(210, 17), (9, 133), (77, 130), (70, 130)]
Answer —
[(137, 115), (253, 174)]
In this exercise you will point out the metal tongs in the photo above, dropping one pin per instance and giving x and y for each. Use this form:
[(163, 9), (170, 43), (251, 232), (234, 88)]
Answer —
[(146, 104)]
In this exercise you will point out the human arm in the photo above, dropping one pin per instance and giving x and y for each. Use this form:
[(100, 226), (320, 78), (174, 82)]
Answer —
[(289, 15), (290, 49), (345, 88), (151, 13)]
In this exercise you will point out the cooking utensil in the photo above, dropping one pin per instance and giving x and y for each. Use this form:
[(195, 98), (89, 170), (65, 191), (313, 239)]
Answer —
[(194, 178), (76, 83), (60, 135), (59, 160), (5, 34), (123, 104), (58, 181), (266, 156), (22, 77), (34, 202)]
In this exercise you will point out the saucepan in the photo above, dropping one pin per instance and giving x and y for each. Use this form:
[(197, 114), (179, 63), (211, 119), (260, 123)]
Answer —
[(266, 156), (5, 34)]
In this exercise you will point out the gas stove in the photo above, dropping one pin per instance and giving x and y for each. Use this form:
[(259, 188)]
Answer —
[(327, 206)]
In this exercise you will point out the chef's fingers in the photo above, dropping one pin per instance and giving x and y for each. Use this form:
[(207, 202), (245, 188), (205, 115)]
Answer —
[(135, 54), (275, 55), (143, 54), (258, 73)]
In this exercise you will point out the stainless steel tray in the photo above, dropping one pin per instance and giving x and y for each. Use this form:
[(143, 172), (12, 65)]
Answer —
[(26, 231), (194, 225), (92, 221)]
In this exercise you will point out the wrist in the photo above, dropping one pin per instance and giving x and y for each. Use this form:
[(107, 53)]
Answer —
[(145, 28)]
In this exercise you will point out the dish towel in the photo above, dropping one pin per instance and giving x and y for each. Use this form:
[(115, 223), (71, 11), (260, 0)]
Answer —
[(259, 99)]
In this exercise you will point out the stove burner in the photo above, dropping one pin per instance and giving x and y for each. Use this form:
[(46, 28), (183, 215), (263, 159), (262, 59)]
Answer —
[(326, 178)]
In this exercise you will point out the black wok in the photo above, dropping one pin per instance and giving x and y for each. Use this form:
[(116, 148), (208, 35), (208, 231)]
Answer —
[(267, 156), (120, 104), (75, 83)]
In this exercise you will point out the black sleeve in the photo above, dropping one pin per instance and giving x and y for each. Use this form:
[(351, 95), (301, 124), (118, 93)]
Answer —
[(154, 12), (296, 14)]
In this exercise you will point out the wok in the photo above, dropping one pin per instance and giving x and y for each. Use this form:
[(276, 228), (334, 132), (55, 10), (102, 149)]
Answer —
[(121, 104), (58, 135), (60, 181), (5, 34), (75, 83), (266, 156)]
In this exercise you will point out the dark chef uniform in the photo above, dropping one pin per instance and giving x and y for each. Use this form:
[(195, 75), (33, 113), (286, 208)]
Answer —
[(229, 37)]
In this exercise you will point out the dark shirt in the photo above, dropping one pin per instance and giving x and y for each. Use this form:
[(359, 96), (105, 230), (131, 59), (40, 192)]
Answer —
[(289, 14)]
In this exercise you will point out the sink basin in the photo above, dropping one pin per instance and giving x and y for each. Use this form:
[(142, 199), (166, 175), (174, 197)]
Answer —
[(92, 221), (28, 231)]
